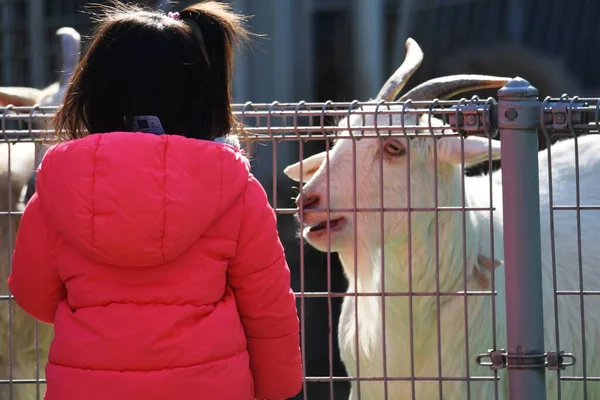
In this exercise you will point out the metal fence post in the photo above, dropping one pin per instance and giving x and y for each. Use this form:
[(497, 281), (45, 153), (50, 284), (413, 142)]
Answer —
[(518, 120)]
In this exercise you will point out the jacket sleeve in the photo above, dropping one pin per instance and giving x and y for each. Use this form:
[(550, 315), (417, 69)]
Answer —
[(34, 280), (260, 279)]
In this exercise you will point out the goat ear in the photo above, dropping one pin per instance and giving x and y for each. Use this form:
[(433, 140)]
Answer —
[(310, 165), (19, 96), (477, 149)]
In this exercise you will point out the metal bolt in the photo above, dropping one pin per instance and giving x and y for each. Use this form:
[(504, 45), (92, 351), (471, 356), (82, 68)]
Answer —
[(471, 119), (560, 118), (511, 114)]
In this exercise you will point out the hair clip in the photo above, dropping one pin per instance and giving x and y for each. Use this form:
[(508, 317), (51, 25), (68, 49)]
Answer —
[(174, 15), (147, 124)]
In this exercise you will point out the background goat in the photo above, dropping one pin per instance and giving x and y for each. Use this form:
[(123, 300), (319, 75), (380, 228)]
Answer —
[(68, 57), (14, 183), (411, 169), (51, 96)]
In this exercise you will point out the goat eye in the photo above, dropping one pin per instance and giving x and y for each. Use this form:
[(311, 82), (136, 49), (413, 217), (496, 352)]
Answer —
[(394, 148)]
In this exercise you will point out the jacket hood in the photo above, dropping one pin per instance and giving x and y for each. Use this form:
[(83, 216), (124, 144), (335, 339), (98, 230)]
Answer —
[(134, 199)]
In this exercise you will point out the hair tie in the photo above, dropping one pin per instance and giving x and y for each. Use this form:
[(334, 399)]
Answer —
[(174, 15)]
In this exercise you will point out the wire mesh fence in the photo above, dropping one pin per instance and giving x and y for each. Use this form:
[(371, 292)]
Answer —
[(450, 286)]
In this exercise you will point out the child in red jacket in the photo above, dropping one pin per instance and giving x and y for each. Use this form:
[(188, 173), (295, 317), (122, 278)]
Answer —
[(148, 244)]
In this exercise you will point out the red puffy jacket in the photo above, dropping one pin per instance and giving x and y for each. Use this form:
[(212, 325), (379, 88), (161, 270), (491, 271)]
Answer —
[(157, 259)]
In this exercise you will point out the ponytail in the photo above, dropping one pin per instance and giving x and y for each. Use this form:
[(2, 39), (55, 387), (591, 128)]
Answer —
[(218, 30)]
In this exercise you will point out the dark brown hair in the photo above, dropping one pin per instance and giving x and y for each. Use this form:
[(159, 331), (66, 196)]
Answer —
[(143, 62)]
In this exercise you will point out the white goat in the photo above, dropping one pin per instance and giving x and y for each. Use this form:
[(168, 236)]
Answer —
[(68, 58), (13, 187), (412, 241), (69, 53)]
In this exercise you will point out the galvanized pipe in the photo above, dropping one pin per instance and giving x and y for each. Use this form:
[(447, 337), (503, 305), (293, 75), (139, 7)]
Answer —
[(518, 121)]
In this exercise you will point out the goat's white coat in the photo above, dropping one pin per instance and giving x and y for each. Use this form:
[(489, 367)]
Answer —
[(22, 162), (451, 265), (13, 187)]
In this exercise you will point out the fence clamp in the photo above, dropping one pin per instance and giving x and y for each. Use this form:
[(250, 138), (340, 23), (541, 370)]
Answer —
[(560, 115), (472, 118), (500, 359)]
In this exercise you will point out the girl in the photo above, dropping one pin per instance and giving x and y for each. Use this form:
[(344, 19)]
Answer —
[(149, 245)]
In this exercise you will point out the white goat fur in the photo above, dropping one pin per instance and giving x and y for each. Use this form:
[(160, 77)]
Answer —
[(453, 359), (22, 164)]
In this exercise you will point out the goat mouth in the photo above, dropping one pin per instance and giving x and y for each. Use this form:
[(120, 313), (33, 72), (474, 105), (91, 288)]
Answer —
[(334, 225)]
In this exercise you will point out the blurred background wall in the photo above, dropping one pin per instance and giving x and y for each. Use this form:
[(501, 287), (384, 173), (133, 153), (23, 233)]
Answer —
[(341, 50)]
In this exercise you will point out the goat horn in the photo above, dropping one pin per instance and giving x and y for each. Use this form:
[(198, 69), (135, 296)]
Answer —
[(395, 83), (448, 86), (69, 52)]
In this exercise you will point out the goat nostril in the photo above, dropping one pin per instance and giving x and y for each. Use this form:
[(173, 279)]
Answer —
[(308, 202)]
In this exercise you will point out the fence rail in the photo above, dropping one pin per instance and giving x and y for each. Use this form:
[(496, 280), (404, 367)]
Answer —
[(517, 119), (266, 121)]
